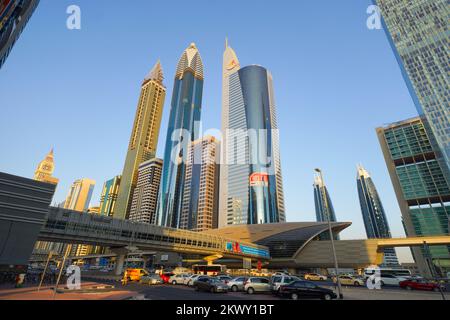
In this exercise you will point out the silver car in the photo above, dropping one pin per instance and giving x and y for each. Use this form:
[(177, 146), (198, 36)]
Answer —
[(257, 284), (237, 284)]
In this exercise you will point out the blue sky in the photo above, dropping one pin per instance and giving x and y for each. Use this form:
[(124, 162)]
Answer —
[(335, 82)]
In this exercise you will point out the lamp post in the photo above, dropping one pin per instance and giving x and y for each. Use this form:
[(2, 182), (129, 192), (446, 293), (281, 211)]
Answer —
[(330, 231)]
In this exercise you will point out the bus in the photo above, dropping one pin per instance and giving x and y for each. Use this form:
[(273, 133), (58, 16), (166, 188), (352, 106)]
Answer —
[(209, 270), (388, 271)]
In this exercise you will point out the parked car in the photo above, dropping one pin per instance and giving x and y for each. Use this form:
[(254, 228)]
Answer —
[(192, 279), (224, 278), (165, 277), (308, 290), (237, 284), (348, 280), (179, 278), (391, 280), (315, 277), (280, 280), (421, 284), (213, 285), (257, 284), (152, 279)]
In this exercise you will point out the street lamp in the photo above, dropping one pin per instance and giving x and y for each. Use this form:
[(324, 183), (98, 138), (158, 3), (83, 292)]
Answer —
[(330, 231)]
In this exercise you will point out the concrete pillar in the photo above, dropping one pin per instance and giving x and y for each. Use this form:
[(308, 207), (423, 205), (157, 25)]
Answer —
[(120, 260)]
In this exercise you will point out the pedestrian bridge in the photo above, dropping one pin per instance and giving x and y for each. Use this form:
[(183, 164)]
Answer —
[(67, 226)]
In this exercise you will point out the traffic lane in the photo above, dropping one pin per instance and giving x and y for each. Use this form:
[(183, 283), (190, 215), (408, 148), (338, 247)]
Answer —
[(179, 292)]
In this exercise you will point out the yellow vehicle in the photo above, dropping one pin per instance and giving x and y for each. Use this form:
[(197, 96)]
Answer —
[(348, 280), (315, 277), (136, 274)]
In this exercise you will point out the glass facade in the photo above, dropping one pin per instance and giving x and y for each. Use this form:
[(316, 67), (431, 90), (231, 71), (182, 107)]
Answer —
[(419, 180), (374, 217), (14, 16), (183, 124), (418, 33), (323, 208), (254, 189), (108, 197)]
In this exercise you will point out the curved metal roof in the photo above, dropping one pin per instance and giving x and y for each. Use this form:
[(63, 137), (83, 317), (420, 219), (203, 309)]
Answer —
[(283, 239)]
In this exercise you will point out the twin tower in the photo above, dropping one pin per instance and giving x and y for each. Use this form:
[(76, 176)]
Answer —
[(250, 189)]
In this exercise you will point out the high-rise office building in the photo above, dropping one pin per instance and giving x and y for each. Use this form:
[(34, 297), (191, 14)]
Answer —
[(44, 171), (418, 33), (80, 195), (183, 128), (374, 217), (251, 188), (144, 137), (145, 197), (201, 186), (109, 195), (78, 199), (324, 206), (422, 191), (14, 16)]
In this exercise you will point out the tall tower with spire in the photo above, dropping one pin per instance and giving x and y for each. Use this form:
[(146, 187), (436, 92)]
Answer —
[(324, 206), (45, 169), (144, 137), (183, 129), (374, 217), (251, 186)]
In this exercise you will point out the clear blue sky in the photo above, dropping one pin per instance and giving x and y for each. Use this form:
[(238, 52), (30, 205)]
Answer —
[(77, 90)]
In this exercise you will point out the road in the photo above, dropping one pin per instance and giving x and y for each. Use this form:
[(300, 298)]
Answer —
[(171, 292)]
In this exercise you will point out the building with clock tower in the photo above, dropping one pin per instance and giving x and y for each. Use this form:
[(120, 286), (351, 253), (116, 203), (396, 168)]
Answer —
[(45, 170)]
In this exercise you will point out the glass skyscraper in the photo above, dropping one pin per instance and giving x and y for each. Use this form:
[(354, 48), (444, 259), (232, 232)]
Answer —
[(251, 190), (418, 33), (183, 129), (422, 191), (373, 214), (323, 208), (14, 16), (109, 195)]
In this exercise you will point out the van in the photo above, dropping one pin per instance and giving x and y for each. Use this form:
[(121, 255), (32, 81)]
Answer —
[(136, 274)]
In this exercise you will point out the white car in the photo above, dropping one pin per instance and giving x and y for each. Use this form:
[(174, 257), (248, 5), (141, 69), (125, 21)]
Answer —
[(192, 279), (280, 280), (179, 278), (391, 280)]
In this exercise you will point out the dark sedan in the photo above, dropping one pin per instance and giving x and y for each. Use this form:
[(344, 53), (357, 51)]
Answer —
[(306, 290), (209, 284)]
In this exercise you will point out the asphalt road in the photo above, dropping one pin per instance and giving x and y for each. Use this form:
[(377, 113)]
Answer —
[(183, 293)]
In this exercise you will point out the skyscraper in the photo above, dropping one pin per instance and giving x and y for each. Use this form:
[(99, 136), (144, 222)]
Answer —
[(422, 191), (251, 188), (373, 214), (201, 186), (183, 128), (144, 137), (145, 197), (45, 169), (418, 33), (14, 16), (80, 195), (109, 195), (323, 207)]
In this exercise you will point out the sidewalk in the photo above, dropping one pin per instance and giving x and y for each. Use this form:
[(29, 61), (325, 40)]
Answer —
[(46, 293)]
